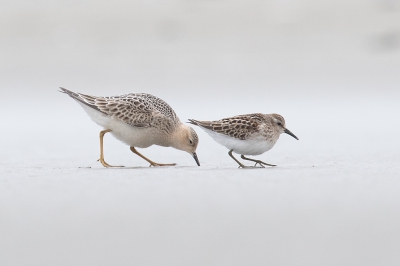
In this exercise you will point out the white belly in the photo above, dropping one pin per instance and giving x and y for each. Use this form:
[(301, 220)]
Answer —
[(255, 146), (132, 136)]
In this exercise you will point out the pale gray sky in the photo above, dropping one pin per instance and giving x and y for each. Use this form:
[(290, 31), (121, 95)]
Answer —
[(197, 48)]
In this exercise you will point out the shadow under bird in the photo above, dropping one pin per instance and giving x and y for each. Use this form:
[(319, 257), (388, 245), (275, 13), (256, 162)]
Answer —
[(139, 120), (251, 134)]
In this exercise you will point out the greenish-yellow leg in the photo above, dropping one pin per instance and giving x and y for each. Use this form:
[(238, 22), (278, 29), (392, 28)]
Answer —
[(148, 160), (102, 133)]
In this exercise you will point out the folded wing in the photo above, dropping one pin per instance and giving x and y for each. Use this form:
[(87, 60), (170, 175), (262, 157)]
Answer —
[(238, 127), (134, 109)]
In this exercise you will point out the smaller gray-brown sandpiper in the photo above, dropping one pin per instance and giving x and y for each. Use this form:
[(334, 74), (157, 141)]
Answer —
[(251, 134)]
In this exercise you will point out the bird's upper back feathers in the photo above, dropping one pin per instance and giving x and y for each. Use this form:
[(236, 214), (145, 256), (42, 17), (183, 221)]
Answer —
[(134, 109), (239, 127)]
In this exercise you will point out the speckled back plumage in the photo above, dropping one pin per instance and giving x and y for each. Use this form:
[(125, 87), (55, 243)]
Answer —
[(134, 109), (240, 127)]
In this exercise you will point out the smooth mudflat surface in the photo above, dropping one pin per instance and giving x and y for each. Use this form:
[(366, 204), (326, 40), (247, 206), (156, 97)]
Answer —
[(332, 199)]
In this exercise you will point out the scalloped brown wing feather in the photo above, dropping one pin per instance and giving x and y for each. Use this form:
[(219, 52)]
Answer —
[(239, 127), (134, 109)]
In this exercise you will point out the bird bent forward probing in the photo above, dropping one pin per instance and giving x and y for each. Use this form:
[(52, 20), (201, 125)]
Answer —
[(139, 120)]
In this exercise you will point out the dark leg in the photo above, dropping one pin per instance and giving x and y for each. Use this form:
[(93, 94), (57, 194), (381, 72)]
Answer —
[(236, 160), (261, 163)]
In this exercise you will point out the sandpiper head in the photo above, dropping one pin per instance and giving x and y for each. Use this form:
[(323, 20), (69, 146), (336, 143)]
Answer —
[(187, 140), (279, 123)]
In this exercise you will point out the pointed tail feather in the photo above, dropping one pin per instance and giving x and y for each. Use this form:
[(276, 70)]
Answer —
[(83, 98), (193, 122), (203, 124), (70, 93)]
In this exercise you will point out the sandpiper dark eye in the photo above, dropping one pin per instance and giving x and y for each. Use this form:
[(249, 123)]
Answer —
[(190, 141), (279, 124)]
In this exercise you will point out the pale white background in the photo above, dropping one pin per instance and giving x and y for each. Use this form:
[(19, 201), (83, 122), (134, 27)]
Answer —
[(331, 68)]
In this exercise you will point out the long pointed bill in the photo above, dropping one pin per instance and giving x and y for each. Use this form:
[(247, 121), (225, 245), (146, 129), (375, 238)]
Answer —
[(196, 159), (287, 131)]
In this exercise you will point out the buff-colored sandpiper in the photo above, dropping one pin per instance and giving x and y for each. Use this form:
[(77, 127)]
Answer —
[(139, 120)]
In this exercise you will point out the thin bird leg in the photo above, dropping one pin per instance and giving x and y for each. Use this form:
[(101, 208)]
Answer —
[(150, 161), (261, 163), (240, 164), (102, 133)]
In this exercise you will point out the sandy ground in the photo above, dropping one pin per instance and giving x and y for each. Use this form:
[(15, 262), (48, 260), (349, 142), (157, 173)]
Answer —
[(333, 199)]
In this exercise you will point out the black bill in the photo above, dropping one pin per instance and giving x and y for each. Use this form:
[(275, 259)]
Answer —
[(196, 159), (287, 131)]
